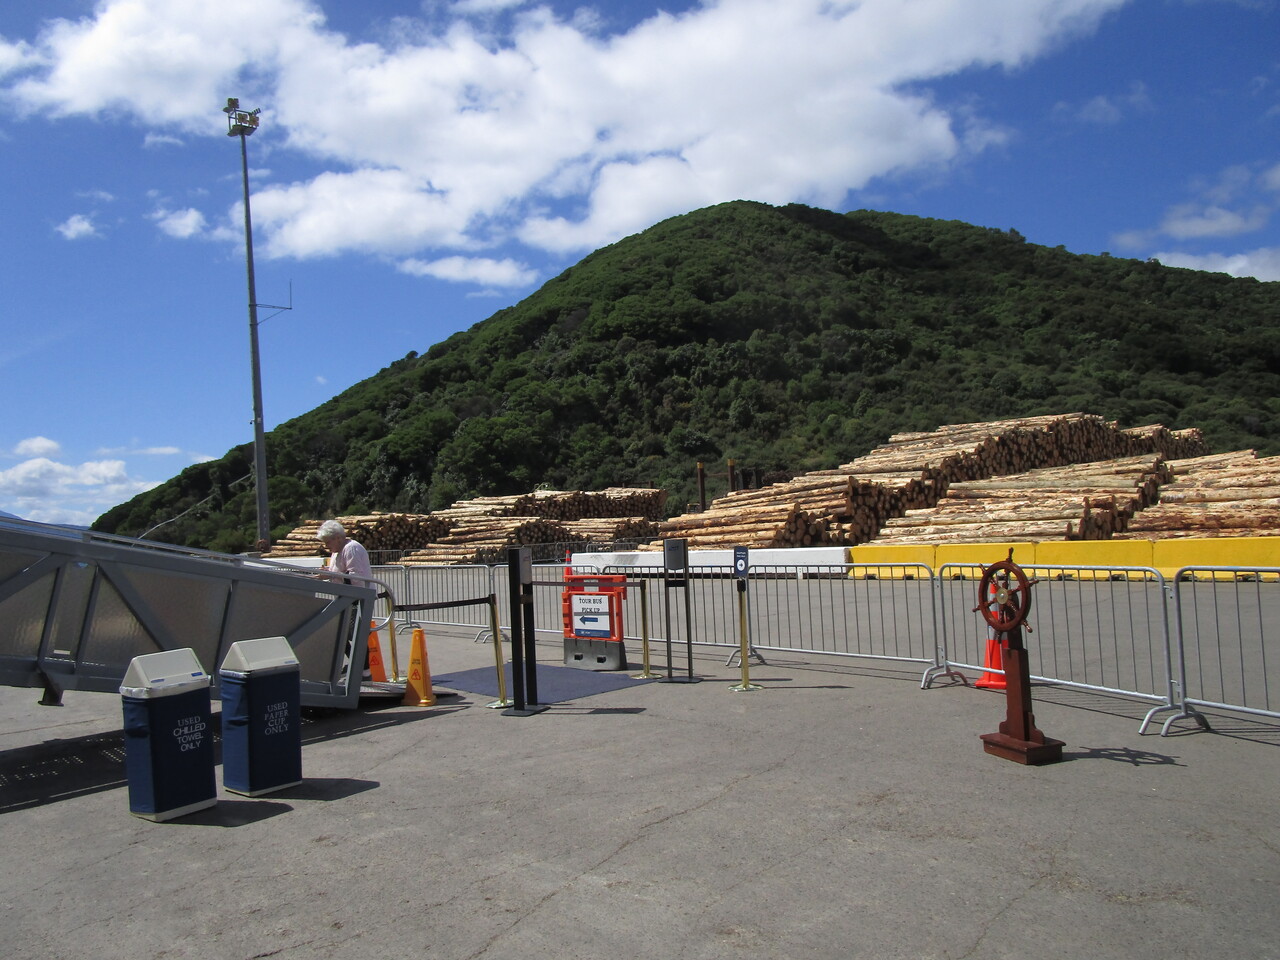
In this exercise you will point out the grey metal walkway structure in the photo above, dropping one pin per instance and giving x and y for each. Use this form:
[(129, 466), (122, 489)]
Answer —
[(76, 607)]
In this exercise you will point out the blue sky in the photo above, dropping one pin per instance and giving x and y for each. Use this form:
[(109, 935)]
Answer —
[(421, 165)]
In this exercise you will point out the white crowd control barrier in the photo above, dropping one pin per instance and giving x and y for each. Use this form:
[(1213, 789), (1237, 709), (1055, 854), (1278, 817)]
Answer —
[(1226, 653)]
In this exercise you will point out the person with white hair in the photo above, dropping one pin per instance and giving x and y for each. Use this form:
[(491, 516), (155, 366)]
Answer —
[(348, 559), (348, 562)]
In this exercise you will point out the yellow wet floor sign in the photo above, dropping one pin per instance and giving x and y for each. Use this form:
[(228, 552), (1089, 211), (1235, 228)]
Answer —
[(417, 690)]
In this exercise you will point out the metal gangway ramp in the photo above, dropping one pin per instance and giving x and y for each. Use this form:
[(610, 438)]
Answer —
[(76, 607)]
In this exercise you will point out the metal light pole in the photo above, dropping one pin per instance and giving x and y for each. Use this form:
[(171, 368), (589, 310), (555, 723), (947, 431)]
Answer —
[(242, 123)]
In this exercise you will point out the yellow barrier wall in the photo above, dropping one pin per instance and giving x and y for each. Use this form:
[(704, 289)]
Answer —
[(1169, 556), (1095, 553), (890, 555), (1024, 553)]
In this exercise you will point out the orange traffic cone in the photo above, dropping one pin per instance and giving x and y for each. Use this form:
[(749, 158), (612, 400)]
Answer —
[(417, 690), (377, 669), (994, 659)]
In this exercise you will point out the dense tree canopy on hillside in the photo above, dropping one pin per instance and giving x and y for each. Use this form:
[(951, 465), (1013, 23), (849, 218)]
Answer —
[(789, 338)]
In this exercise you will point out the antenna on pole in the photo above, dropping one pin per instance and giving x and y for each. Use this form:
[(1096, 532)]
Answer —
[(276, 307)]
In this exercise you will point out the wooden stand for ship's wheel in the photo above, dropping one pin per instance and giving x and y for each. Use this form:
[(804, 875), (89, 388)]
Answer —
[(1005, 598)]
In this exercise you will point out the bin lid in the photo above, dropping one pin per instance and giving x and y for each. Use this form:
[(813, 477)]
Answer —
[(258, 656), (164, 674)]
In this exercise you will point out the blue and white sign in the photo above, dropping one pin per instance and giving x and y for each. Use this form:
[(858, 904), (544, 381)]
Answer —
[(740, 563), (590, 614)]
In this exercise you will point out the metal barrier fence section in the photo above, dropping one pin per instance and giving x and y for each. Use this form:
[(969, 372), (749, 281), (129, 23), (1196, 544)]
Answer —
[(447, 584), (397, 580), (714, 612), (850, 610), (1227, 617), (1103, 629)]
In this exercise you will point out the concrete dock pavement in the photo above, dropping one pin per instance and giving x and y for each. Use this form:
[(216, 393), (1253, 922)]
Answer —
[(840, 812)]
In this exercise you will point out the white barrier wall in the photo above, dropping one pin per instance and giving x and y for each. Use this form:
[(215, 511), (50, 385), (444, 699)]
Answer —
[(792, 556)]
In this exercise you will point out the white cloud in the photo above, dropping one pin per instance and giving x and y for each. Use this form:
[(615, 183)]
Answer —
[(51, 492), (383, 211), (161, 140), (182, 224), (16, 56), (1240, 199), (485, 6), (43, 487), (37, 447), (1194, 220), (77, 227), (1106, 109), (138, 451), (454, 138), (495, 273), (164, 61), (1101, 110), (1263, 263), (1230, 184), (1270, 178)]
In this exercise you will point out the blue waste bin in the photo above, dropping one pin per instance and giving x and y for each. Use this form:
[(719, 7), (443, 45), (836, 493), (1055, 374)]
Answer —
[(261, 684), (168, 735)]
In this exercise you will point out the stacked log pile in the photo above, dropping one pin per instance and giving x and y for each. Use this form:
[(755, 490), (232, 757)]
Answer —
[(1079, 502), (1172, 444), (974, 451), (479, 530), (1107, 474), (483, 539), (486, 539), (386, 536), (913, 471), (763, 524), (564, 505), (1226, 495), (644, 502), (482, 529), (610, 530)]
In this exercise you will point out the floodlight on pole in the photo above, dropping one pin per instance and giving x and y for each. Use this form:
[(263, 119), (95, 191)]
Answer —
[(242, 123)]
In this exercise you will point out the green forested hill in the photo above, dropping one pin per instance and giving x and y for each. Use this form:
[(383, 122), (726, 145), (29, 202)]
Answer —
[(789, 338)]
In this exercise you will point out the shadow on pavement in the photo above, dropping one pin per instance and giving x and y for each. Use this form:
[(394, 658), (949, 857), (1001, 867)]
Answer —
[(1137, 758), (233, 813), (63, 769), (325, 788)]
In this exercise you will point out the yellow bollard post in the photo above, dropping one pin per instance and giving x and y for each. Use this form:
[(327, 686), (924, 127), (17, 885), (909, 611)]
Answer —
[(744, 647), (646, 673), (391, 642), (417, 689), (502, 701)]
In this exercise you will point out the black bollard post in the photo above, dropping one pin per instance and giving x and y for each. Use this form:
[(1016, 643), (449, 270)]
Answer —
[(675, 556), (524, 652)]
